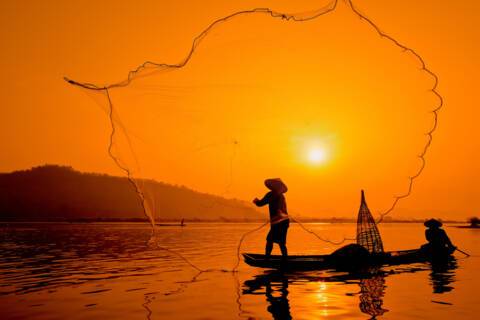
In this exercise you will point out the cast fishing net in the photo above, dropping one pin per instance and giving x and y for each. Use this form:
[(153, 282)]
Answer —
[(256, 90)]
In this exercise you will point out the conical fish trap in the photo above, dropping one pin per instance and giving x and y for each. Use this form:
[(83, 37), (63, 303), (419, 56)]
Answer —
[(367, 231)]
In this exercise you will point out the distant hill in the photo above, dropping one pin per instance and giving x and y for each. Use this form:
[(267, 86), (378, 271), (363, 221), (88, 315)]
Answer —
[(59, 193)]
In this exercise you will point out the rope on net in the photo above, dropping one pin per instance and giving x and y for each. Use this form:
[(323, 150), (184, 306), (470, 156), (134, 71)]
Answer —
[(435, 111)]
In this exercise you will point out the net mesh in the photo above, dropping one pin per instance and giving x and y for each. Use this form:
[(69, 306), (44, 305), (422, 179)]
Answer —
[(367, 231), (206, 122)]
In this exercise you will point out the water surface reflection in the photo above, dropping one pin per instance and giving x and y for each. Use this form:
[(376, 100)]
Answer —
[(86, 271), (371, 286)]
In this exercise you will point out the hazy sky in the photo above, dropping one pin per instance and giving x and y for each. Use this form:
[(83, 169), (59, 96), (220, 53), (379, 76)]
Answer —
[(327, 105)]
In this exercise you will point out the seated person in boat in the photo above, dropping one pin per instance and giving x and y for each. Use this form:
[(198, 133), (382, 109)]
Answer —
[(279, 221), (438, 241)]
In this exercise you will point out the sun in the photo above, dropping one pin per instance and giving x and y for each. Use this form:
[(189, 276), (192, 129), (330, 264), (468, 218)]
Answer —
[(317, 155)]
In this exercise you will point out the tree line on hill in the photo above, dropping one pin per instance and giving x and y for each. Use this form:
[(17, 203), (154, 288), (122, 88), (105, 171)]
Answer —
[(60, 193)]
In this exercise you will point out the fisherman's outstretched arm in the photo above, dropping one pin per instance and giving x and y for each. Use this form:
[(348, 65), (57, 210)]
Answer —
[(263, 201)]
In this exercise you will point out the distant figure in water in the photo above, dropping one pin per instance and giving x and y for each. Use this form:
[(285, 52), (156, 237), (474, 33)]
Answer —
[(438, 241), (279, 221), (182, 223)]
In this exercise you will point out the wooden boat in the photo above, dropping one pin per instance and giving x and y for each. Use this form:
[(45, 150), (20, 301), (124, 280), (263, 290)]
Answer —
[(322, 262), (367, 252)]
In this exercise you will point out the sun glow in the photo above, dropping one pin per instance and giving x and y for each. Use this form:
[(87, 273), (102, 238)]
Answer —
[(317, 155)]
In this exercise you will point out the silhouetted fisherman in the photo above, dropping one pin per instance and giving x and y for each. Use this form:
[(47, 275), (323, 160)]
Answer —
[(279, 221), (438, 241)]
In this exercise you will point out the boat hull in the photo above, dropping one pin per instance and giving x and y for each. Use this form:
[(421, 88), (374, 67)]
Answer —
[(322, 262)]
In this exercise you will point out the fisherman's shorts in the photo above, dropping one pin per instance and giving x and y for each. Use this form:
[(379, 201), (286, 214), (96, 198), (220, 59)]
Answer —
[(278, 232)]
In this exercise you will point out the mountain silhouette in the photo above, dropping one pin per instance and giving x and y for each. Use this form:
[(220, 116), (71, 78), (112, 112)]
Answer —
[(60, 193)]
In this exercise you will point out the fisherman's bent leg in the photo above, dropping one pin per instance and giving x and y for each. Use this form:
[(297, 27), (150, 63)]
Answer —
[(283, 248), (268, 249)]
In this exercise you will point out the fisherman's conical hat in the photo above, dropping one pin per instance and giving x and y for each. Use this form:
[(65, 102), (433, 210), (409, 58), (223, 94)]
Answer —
[(276, 185), (433, 223)]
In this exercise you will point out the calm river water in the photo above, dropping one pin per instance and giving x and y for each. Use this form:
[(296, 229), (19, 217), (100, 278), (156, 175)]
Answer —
[(109, 271)]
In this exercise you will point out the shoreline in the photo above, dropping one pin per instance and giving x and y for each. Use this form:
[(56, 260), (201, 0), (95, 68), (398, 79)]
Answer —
[(177, 222)]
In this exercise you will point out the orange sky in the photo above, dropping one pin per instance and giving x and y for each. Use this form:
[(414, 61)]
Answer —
[(280, 89)]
